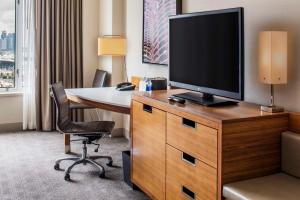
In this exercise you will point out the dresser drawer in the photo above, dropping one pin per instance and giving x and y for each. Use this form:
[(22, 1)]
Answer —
[(193, 138), (148, 149), (189, 178)]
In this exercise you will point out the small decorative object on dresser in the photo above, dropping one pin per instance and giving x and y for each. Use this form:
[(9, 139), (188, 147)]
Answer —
[(273, 63), (159, 83)]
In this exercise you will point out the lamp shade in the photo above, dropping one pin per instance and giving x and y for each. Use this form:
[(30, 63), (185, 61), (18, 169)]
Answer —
[(273, 57), (112, 46)]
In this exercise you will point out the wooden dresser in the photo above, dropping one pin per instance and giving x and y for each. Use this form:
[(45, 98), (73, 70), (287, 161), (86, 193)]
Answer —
[(188, 151)]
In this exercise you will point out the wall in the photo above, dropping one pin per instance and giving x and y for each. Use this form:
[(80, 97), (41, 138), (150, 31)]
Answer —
[(90, 35), (259, 15), (102, 17), (134, 30), (91, 23), (112, 22), (11, 112)]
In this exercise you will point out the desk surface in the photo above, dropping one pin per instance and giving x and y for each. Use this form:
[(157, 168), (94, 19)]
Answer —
[(107, 98)]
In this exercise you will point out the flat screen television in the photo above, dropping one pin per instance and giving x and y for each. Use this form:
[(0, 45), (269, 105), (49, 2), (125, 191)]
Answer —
[(206, 54)]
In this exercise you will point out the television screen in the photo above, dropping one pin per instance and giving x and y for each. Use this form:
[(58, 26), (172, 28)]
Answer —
[(206, 52)]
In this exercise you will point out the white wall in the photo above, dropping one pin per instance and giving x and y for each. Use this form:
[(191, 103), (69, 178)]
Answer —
[(134, 22), (90, 36), (259, 15), (112, 22), (11, 110), (90, 57)]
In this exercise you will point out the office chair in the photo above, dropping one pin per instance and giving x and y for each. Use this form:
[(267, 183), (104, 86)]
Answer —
[(87, 131), (100, 80)]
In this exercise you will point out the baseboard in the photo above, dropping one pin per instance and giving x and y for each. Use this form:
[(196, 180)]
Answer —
[(11, 127)]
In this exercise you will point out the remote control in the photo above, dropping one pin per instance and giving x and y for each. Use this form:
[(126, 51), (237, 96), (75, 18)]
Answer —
[(171, 99), (176, 99)]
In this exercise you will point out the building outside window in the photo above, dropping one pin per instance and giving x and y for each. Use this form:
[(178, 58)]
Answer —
[(7, 44)]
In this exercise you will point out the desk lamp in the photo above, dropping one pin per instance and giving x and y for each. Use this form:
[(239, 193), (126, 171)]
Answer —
[(272, 63), (113, 45)]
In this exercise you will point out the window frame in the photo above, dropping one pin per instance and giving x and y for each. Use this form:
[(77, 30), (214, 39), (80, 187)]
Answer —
[(17, 86)]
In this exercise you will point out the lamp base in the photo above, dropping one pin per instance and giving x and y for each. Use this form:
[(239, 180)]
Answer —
[(272, 109)]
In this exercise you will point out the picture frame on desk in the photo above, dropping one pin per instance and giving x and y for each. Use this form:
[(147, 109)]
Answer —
[(152, 51)]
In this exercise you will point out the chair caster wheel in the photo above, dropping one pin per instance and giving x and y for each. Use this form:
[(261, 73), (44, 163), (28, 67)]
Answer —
[(56, 166), (110, 163), (102, 175), (67, 177), (96, 150)]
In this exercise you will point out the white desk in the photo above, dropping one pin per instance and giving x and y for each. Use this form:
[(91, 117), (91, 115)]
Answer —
[(107, 98)]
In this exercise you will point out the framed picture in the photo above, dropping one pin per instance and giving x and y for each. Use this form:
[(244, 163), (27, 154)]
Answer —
[(156, 29)]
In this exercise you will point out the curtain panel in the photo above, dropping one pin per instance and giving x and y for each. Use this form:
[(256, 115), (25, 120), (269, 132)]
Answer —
[(58, 54), (26, 60)]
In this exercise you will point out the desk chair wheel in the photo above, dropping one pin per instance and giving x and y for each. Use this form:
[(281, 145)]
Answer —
[(56, 166), (67, 177), (102, 174), (110, 163)]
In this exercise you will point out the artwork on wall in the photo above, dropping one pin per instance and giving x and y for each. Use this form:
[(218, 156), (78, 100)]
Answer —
[(156, 29)]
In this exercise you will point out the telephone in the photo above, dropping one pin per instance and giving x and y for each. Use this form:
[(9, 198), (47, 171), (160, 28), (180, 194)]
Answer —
[(126, 86)]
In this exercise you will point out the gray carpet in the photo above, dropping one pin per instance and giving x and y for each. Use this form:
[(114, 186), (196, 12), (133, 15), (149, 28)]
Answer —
[(26, 170)]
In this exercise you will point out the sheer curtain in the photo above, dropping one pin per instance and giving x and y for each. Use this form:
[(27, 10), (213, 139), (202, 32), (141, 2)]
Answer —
[(26, 60)]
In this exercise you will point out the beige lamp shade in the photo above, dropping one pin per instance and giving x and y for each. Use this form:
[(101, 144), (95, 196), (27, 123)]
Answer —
[(273, 57), (112, 46)]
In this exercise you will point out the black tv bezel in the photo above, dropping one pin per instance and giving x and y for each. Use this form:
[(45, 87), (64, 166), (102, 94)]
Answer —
[(223, 93)]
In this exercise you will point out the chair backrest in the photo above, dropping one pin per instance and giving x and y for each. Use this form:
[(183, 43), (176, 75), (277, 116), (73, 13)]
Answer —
[(62, 104), (100, 78), (291, 153)]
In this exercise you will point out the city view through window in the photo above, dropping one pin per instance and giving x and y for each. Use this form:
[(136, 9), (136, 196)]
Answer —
[(7, 43)]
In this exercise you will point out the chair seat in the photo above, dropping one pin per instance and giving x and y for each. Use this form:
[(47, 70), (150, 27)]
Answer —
[(276, 187), (89, 128), (74, 105)]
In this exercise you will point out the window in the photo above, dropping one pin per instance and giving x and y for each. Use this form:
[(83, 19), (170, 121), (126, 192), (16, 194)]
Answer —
[(7, 44)]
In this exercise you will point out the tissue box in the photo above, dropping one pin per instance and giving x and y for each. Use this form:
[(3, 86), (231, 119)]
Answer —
[(159, 83)]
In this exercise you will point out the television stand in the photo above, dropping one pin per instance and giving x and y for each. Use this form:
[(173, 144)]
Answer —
[(205, 99)]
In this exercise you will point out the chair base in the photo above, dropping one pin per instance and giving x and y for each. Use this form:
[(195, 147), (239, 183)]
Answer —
[(84, 160)]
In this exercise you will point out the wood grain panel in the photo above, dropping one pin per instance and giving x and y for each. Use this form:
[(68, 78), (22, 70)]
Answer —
[(148, 150), (247, 140), (294, 122), (252, 148), (220, 114), (201, 179), (200, 142)]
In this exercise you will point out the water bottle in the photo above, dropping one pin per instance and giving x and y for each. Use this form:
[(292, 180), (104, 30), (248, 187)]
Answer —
[(142, 85), (148, 85)]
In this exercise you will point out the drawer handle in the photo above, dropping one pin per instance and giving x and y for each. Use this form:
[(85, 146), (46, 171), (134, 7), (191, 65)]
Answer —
[(189, 159), (188, 193), (188, 123), (147, 108)]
